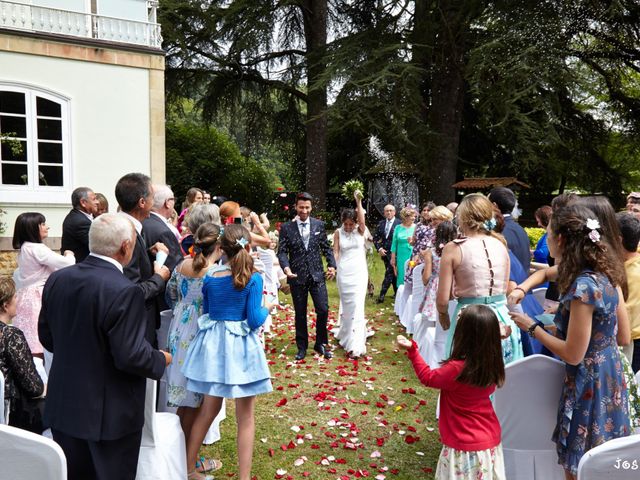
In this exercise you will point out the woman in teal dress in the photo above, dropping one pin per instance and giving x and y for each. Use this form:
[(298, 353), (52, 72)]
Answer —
[(226, 358), (593, 405), (400, 246)]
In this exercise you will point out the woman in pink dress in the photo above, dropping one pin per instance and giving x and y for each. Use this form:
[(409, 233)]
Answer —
[(476, 269), (36, 262)]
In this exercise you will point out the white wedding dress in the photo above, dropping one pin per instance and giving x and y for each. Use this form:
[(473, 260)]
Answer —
[(353, 278)]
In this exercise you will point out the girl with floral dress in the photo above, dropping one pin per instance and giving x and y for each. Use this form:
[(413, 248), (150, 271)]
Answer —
[(445, 233), (184, 295), (594, 405), (469, 428)]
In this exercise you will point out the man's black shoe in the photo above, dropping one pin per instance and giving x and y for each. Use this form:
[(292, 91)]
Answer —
[(380, 300), (322, 350), (301, 354)]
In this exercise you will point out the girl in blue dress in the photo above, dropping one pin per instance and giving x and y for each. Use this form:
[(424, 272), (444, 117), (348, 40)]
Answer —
[(593, 406), (226, 359)]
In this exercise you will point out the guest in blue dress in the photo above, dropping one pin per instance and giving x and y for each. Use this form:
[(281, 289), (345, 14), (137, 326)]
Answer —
[(542, 215), (226, 358), (593, 406)]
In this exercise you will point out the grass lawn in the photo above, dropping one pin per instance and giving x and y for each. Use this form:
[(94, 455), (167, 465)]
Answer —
[(339, 419)]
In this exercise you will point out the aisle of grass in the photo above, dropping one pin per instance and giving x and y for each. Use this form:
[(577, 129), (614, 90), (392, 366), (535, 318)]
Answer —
[(339, 419)]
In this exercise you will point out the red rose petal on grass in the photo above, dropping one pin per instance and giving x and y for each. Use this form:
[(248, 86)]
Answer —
[(281, 402), (411, 439)]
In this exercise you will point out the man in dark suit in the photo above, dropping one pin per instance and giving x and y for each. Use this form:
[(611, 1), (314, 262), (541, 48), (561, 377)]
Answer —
[(75, 228), (517, 238), (156, 229), (90, 320), (134, 193), (382, 239), (302, 242)]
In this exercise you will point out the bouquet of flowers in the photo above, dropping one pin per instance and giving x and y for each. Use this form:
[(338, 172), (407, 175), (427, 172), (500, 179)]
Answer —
[(350, 187)]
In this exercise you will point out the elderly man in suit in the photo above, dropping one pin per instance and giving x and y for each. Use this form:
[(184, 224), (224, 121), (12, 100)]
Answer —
[(302, 242), (75, 227), (158, 227), (134, 193), (382, 240), (90, 320), (517, 238)]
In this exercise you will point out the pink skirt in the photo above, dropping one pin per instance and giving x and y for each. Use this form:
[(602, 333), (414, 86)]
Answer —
[(29, 302)]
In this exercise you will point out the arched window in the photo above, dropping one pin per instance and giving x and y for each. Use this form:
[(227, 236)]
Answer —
[(34, 140)]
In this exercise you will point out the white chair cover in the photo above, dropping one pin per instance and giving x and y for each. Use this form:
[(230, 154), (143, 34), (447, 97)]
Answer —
[(39, 363), (397, 304), (48, 360), (538, 294), (27, 456), (527, 407), (413, 302), (163, 448), (3, 419), (616, 459)]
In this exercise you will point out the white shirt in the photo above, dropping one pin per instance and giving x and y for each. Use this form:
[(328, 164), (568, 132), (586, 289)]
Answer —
[(36, 262), (135, 221), (88, 215), (110, 260), (173, 229)]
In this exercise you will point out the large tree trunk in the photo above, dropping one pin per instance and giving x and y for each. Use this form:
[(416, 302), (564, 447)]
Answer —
[(314, 13), (447, 96)]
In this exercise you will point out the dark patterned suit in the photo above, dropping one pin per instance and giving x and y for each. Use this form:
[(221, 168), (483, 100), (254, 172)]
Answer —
[(306, 263), (381, 240)]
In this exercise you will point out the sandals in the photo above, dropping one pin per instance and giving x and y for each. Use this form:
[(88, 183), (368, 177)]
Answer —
[(208, 465), (196, 475)]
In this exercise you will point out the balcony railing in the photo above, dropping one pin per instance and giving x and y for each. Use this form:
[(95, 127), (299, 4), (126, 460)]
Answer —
[(18, 16)]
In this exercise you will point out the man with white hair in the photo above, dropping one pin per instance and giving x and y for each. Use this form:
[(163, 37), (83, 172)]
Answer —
[(90, 320), (157, 227)]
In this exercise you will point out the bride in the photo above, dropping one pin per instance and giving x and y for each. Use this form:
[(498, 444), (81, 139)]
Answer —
[(352, 276)]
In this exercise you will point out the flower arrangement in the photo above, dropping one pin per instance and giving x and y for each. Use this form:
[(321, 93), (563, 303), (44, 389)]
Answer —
[(349, 188)]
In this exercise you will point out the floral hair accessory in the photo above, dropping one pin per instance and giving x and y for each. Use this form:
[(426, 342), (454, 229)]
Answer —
[(593, 225), (441, 246), (243, 242), (489, 224)]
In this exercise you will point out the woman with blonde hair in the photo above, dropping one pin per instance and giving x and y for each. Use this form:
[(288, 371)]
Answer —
[(476, 268), (400, 247)]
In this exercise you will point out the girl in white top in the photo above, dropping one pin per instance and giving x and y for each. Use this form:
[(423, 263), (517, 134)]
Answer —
[(36, 262)]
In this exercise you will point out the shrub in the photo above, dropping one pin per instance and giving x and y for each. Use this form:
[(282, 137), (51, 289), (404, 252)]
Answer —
[(203, 157), (534, 234)]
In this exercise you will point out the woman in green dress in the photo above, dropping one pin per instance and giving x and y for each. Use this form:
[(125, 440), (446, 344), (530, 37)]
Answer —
[(400, 247)]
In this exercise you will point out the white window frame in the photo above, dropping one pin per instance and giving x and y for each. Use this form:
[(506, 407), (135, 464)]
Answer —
[(33, 192)]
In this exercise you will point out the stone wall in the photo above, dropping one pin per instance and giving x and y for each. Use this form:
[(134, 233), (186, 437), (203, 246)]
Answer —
[(8, 262)]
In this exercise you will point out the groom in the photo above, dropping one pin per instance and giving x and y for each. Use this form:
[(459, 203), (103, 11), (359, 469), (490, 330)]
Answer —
[(302, 241)]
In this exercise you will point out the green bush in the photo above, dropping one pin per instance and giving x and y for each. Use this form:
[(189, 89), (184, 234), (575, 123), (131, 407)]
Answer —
[(203, 157), (534, 234)]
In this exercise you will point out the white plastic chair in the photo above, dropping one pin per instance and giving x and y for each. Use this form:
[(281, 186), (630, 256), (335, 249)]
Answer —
[(402, 295), (3, 419), (527, 407), (538, 294), (27, 456), (48, 360), (616, 459), (418, 323), (163, 448)]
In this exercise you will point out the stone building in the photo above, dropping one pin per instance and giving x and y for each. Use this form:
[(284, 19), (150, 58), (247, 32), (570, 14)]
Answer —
[(81, 103)]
